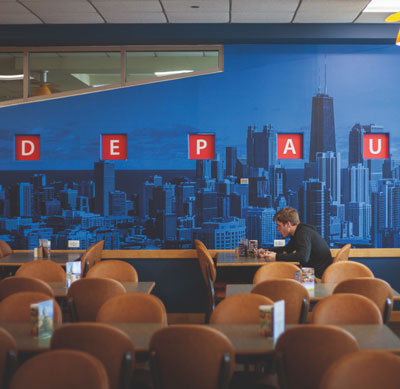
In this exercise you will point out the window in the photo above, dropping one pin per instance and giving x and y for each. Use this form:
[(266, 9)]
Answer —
[(34, 74)]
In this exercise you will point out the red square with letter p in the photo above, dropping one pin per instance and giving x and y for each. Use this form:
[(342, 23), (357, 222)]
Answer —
[(27, 147), (114, 146), (201, 146), (376, 146), (290, 146)]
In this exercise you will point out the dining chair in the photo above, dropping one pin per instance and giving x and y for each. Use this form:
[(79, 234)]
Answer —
[(295, 295), (365, 369), (340, 271), (111, 346), (5, 248), (61, 369), (11, 285), (346, 308), (303, 353), (239, 309), (376, 289), (43, 269), (275, 270), (8, 357), (117, 270), (17, 307), (342, 254), (133, 308), (87, 295), (191, 356), (209, 273), (91, 256)]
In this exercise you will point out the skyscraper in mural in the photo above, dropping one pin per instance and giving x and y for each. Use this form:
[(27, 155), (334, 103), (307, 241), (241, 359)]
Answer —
[(261, 147), (104, 179), (322, 136)]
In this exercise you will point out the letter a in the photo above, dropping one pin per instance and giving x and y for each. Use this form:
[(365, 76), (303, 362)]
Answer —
[(289, 147), (371, 144)]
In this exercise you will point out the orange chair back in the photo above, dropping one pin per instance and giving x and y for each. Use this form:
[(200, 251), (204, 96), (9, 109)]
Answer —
[(11, 285), (133, 308), (275, 270), (341, 271), (303, 354), (91, 256), (61, 369), (239, 309), (5, 248), (342, 254), (17, 307), (87, 295), (295, 295), (43, 269), (346, 308), (117, 270)]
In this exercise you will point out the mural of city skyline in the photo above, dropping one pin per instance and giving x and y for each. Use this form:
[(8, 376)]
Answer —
[(159, 198)]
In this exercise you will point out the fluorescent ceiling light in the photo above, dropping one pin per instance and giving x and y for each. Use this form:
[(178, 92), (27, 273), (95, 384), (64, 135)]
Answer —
[(172, 72), (383, 6), (11, 77)]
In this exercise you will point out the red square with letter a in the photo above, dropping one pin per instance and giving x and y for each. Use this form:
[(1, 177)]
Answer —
[(201, 146), (114, 146), (27, 147), (290, 146), (376, 146)]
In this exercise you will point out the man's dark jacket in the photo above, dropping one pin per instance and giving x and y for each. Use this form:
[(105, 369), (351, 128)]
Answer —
[(308, 247)]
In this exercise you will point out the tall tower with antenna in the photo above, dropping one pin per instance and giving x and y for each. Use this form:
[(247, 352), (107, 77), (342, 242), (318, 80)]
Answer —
[(323, 136)]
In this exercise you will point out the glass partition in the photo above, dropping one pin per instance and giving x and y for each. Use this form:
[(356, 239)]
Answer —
[(67, 71), (11, 76), (143, 65)]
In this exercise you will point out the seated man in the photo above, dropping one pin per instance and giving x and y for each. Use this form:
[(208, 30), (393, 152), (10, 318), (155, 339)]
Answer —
[(306, 245)]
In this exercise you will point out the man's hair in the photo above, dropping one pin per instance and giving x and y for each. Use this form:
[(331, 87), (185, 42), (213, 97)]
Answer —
[(287, 214)]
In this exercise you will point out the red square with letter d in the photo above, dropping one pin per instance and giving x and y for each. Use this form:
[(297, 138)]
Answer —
[(27, 147), (114, 146), (201, 146)]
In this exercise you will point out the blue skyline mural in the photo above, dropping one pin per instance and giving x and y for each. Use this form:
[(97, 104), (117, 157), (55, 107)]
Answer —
[(160, 199)]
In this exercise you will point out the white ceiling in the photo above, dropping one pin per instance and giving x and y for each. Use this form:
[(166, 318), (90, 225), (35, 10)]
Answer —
[(186, 11)]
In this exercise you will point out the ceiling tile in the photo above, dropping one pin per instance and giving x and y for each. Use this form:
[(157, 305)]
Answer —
[(128, 6), (204, 6), (259, 17), (183, 17), (142, 17), (254, 6), (48, 7), (373, 17), (332, 11), (73, 18)]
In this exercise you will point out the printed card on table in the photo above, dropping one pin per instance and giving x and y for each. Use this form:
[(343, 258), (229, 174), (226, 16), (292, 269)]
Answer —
[(42, 315), (73, 272), (272, 319)]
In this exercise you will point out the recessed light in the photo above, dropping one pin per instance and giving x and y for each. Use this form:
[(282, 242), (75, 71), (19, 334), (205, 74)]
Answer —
[(194, 6), (383, 6)]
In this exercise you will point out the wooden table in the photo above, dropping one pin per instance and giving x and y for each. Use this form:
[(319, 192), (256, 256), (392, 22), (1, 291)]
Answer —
[(245, 338), (320, 291), (19, 258), (60, 288), (230, 259)]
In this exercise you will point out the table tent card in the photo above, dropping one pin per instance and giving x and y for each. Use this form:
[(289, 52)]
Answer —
[(42, 314), (73, 272), (272, 319), (306, 277)]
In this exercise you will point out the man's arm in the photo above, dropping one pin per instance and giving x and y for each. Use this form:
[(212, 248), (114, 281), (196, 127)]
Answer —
[(301, 249)]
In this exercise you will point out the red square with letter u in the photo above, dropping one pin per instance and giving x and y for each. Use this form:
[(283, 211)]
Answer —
[(114, 146), (290, 146), (376, 146), (27, 147), (201, 146)]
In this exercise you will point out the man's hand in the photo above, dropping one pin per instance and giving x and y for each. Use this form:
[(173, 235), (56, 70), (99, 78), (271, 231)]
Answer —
[(269, 256)]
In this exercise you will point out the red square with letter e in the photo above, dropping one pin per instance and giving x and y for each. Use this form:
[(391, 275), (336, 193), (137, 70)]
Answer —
[(376, 146), (290, 146), (201, 146), (27, 147), (114, 146)]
